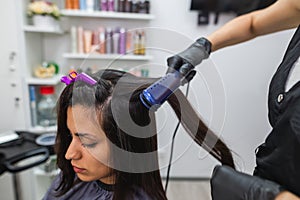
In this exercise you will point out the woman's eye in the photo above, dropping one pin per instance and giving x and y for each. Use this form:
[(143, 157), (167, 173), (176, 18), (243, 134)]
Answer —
[(91, 145)]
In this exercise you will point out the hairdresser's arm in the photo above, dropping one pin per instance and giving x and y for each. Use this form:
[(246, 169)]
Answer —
[(282, 15), (286, 196)]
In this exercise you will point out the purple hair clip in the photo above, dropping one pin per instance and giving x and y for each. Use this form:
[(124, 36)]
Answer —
[(74, 76)]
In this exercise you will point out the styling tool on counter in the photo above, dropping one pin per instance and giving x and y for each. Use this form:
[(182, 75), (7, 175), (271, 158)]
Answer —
[(21, 152), (47, 139)]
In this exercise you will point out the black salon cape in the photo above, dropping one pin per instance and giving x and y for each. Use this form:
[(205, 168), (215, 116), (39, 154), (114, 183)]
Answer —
[(278, 159)]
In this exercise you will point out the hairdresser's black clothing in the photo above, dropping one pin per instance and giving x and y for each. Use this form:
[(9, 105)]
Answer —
[(278, 159)]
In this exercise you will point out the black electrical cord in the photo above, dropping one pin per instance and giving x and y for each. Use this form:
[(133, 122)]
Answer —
[(171, 156), (172, 144)]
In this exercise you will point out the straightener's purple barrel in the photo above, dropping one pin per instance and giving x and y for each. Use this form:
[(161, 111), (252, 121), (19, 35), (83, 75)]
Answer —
[(157, 93)]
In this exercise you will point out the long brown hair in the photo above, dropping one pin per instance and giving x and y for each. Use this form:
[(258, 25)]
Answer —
[(115, 94)]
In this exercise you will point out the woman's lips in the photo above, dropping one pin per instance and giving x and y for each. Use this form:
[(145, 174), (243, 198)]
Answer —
[(78, 170)]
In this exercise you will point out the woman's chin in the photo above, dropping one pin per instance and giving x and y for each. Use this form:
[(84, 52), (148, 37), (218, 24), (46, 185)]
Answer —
[(85, 178)]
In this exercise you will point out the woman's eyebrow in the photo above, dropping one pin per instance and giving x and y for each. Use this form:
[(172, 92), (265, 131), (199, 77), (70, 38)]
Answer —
[(85, 135)]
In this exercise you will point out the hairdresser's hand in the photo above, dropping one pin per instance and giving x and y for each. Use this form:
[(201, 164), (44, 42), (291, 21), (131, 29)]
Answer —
[(228, 184), (189, 58)]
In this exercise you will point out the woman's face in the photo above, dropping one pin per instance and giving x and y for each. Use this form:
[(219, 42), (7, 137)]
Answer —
[(89, 149)]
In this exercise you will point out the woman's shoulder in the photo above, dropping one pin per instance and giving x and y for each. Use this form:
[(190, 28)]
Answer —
[(81, 190)]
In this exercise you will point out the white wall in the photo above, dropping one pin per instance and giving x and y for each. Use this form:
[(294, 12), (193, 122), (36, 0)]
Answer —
[(238, 111)]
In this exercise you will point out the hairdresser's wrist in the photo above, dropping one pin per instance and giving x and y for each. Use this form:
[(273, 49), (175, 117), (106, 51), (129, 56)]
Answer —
[(206, 44), (197, 52)]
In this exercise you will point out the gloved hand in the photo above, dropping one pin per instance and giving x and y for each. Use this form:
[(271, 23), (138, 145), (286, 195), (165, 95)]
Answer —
[(189, 58), (228, 184)]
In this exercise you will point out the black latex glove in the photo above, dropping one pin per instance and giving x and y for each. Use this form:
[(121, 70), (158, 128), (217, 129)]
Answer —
[(228, 184), (186, 60)]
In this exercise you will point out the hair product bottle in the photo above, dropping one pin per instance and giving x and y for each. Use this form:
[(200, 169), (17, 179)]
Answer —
[(75, 4), (33, 110), (73, 39), (129, 41), (68, 4), (46, 106), (136, 50), (90, 5), (110, 5), (87, 35), (115, 37), (97, 5), (108, 40), (82, 4), (95, 41), (128, 5), (142, 43), (104, 5), (122, 41), (80, 40), (102, 45), (134, 6), (121, 4), (144, 6)]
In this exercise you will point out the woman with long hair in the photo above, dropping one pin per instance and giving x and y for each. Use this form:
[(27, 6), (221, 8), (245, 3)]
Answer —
[(106, 142)]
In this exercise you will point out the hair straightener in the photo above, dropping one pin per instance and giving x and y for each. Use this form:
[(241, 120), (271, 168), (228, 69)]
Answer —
[(157, 93)]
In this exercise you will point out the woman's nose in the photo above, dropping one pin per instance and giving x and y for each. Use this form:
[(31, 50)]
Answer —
[(73, 152)]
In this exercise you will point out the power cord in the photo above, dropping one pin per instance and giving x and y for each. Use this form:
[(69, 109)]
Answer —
[(172, 144)]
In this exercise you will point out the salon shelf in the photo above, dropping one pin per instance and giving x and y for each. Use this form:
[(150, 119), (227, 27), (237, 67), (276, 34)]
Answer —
[(106, 56), (44, 81), (43, 30), (107, 14)]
